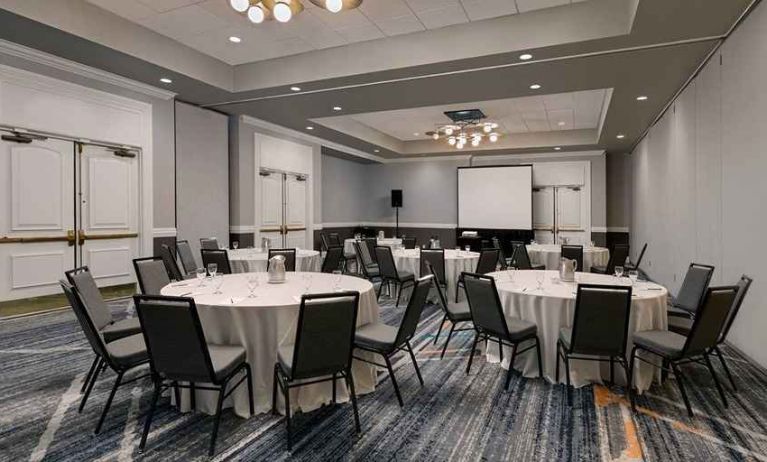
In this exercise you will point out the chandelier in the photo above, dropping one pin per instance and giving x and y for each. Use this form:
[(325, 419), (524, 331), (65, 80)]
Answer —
[(258, 11), (468, 126)]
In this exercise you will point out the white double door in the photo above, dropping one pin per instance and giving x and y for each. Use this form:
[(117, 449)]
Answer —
[(283, 209), (65, 205), (559, 212)]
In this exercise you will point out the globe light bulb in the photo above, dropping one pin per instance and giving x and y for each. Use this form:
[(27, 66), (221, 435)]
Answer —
[(459, 145), (282, 12), (475, 142), (334, 6), (256, 14), (239, 6), (435, 136), (451, 141), (449, 131), (487, 129), (493, 138)]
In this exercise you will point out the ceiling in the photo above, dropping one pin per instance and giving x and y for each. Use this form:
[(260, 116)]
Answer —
[(206, 25), (591, 58)]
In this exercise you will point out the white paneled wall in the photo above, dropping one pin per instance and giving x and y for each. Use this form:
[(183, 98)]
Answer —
[(699, 189)]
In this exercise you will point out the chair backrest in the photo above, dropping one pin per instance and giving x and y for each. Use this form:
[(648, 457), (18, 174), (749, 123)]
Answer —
[(488, 261), (371, 244), (601, 323), (618, 255), (98, 310), (151, 274), (86, 323), (187, 256), (171, 265), (209, 243), (324, 242), (435, 257), (333, 258), (364, 254), (573, 252), (174, 338), (694, 286), (413, 311), (710, 319), (325, 334), (334, 240), (290, 258), (743, 285), (641, 255), (442, 298), (409, 242), (386, 264), (218, 256), (484, 304), (520, 259)]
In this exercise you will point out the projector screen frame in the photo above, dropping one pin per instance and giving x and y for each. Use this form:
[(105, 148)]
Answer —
[(458, 191)]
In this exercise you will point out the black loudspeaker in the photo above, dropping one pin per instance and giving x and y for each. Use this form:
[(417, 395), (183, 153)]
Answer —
[(396, 198)]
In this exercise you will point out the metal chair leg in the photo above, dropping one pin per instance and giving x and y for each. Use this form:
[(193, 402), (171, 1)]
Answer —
[(152, 407), (449, 335), (217, 419), (511, 365), (566, 360), (109, 401), (249, 378), (274, 391), (540, 361), (680, 384), (88, 390), (559, 345), (96, 361), (724, 366), (334, 387), (471, 353), (286, 392), (353, 397), (415, 363), (716, 380), (393, 380), (444, 318), (630, 379), (398, 289), (193, 396)]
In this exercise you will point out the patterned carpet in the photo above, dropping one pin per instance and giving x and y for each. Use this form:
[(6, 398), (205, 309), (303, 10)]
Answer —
[(43, 360)]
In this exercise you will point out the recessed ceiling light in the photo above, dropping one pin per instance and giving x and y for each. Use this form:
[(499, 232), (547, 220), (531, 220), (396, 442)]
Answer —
[(561, 123), (641, 98), (525, 56), (557, 148), (337, 108), (295, 88), (376, 150), (621, 136), (166, 80), (416, 134), (310, 127), (234, 39), (535, 86)]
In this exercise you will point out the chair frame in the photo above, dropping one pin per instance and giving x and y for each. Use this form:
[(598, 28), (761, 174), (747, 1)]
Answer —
[(285, 382), (139, 278), (361, 264), (341, 261), (409, 240), (448, 316), (218, 385), (423, 269), (212, 238), (521, 245), (691, 314), (480, 333), (566, 355), (635, 266), (226, 259), (399, 284), (482, 252), (611, 263), (171, 264), (283, 252), (187, 270)]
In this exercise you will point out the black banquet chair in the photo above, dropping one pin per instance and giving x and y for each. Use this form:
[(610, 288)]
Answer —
[(487, 263), (187, 257), (218, 257), (290, 258), (573, 252), (692, 291), (409, 242), (490, 323), (322, 352), (675, 349), (209, 243), (635, 266), (180, 357), (386, 340), (520, 259), (390, 274), (618, 255), (436, 258), (599, 331), (333, 259), (171, 265), (454, 312), (151, 274)]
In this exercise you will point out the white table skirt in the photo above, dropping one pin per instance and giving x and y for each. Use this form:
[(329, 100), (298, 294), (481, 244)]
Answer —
[(549, 255), (388, 241), (262, 325), (456, 262), (553, 307), (255, 260)]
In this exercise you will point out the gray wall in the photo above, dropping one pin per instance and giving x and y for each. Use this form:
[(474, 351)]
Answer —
[(618, 187), (344, 191), (241, 173), (202, 174), (698, 180)]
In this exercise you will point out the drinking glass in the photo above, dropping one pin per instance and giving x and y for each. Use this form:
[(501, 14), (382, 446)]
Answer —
[(467, 248), (592, 244), (540, 277), (634, 276), (307, 282), (235, 244), (511, 272), (212, 269), (337, 280), (219, 281), (618, 271), (252, 284), (200, 273)]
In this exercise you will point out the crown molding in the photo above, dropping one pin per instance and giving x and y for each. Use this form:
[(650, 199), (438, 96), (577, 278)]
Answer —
[(164, 232), (242, 229), (46, 59)]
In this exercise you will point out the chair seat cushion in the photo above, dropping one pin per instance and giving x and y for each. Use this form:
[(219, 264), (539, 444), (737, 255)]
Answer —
[(121, 329), (565, 335), (285, 358), (680, 325), (599, 269), (405, 275), (675, 311), (128, 351), (225, 359), (372, 270), (376, 336), (459, 311), (520, 329), (663, 342)]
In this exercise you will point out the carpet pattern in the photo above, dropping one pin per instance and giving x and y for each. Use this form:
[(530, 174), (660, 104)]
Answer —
[(44, 358)]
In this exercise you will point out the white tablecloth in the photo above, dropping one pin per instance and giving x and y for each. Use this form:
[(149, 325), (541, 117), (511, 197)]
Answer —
[(388, 241), (456, 262), (254, 260), (549, 255), (553, 307), (262, 325)]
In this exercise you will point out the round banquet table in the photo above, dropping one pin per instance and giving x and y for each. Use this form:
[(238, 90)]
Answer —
[(387, 241), (549, 255), (263, 324), (254, 260), (553, 307), (456, 262)]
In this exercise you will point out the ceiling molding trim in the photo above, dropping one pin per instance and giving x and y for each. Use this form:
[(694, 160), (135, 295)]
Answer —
[(429, 159), (545, 155), (310, 138), (39, 57)]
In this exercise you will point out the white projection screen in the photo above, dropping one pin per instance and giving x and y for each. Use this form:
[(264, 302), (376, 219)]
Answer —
[(495, 197)]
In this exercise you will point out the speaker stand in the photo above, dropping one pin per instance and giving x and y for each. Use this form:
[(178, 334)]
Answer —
[(396, 225)]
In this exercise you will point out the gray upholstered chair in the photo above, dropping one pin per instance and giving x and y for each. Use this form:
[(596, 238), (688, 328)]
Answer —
[(436, 257), (187, 257), (573, 252), (487, 263), (180, 356), (171, 265), (409, 242), (520, 259), (290, 258), (218, 257), (491, 323), (683, 325), (334, 257), (120, 355), (99, 312), (599, 331), (209, 243), (618, 255), (390, 274), (691, 293), (675, 349), (152, 274), (454, 312), (371, 244), (334, 240), (322, 351), (324, 244), (387, 340), (365, 264)]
